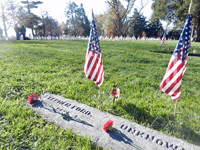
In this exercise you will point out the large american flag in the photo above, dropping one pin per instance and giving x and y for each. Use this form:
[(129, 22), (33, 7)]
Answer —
[(171, 83), (163, 38), (93, 64)]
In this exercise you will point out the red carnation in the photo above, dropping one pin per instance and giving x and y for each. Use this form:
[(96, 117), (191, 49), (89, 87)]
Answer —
[(32, 98), (108, 125)]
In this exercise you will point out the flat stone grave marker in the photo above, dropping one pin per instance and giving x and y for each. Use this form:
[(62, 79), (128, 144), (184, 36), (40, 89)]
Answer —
[(139, 137)]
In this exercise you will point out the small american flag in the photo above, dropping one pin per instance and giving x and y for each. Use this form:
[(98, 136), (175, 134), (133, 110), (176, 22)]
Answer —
[(115, 92), (93, 64), (171, 83), (163, 38)]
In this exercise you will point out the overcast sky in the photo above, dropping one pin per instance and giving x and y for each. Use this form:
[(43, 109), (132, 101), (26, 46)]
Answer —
[(56, 9)]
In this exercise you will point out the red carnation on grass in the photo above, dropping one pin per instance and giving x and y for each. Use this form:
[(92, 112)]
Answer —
[(159, 52), (108, 125), (33, 98)]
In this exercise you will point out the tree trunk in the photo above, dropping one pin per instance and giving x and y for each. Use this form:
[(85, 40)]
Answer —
[(5, 29), (32, 31), (4, 19), (196, 37), (44, 31)]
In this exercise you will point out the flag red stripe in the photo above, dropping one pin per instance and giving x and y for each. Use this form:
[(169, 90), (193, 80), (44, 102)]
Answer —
[(93, 67), (172, 74), (88, 62), (173, 85), (101, 78), (172, 90), (99, 69)]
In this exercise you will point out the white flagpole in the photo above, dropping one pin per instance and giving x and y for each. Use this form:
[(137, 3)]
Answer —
[(175, 108), (190, 7), (100, 94), (99, 87), (177, 100)]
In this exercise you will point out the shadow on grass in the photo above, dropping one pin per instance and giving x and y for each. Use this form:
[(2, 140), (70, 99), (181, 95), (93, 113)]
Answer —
[(142, 116), (186, 133), (162, 123), (171, 52)]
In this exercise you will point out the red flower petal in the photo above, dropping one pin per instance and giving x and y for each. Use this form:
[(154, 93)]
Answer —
[(30, 99), (106, 125)]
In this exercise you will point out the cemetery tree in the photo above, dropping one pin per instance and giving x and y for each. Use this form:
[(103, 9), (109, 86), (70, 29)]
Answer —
[(7, 14), (174, 33), (28, 20), (44, 14), (137, 24), (57, 28), (77, 22), (71, 23), (49, 25), (154, 29), (13, 11), (120, 14), (100, 20), (30, 17), (83, 20), (176, 12)]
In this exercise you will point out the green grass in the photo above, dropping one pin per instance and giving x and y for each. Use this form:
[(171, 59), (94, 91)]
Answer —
[(29, 67)]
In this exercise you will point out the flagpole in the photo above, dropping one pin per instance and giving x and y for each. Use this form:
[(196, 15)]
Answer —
[(100, 94), (99, 87), (175, 108), (92, 14), (190, 7), (177, 100)]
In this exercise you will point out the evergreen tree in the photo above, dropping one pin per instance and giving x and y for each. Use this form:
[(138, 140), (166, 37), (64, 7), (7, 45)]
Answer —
[(77, 21), (177, 12), (83, 20), (137, 24), (71, 23), (154, 29)]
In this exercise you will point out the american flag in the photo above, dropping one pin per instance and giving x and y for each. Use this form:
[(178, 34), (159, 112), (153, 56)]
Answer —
[(171, 83), (93, 64), (115, 92), (163, 38)]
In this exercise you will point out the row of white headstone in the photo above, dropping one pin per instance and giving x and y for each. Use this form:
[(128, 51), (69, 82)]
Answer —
[(116, 38), (100, 38)]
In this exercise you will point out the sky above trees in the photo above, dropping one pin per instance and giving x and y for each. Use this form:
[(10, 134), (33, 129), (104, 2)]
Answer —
[(56, 9)]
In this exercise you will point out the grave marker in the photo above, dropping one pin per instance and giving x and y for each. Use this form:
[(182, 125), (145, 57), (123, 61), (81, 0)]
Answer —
[(145, 138)]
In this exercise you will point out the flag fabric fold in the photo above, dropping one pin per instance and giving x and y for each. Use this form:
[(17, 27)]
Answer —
[(164, 38), (93, 67), (171, 83)]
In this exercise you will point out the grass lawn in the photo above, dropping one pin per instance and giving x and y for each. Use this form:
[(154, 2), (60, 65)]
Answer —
[(28, 67)]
